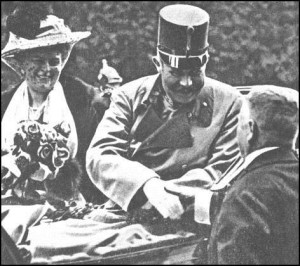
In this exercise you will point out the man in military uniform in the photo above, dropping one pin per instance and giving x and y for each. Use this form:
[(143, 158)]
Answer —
[(175, 127), (256, 203)]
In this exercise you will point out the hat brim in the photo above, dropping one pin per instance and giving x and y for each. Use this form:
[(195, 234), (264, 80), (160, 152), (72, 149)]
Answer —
[(17, 45), (20, 44)]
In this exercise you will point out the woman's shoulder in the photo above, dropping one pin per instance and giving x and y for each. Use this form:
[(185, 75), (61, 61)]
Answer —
[(9, 91), (6, 96)]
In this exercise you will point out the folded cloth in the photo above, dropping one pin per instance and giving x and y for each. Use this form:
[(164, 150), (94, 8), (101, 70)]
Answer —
[(98, 235), (21, 217), (107, 216), (75, 239), (132, 236), (67, 240)]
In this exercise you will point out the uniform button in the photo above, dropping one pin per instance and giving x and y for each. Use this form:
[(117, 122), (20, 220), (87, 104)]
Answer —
[(184, 166), (204, 104)]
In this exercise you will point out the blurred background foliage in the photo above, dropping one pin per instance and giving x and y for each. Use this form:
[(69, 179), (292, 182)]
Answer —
[(251, 42)]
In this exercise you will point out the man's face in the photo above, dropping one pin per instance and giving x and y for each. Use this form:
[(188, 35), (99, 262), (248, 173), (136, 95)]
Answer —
[(182, 85), (42, 69), (243, 129)]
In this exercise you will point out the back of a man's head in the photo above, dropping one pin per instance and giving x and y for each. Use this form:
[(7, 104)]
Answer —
[(276, 113)]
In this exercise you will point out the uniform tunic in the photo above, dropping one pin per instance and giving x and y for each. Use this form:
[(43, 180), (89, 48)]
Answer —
[(141, 137)]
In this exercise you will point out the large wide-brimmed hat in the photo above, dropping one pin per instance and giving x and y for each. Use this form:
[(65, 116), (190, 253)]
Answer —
[(183, 35), (29, 30)]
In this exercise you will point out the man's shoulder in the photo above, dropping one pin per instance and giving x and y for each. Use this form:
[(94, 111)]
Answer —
[(265, 177), (139, 85), (221, 87)]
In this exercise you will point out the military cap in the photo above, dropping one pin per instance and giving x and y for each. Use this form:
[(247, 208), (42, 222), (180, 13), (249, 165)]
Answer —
[(183, 36)]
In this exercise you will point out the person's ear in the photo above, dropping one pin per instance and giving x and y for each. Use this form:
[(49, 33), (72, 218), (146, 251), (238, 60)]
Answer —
[(157, 63), (253, 132)]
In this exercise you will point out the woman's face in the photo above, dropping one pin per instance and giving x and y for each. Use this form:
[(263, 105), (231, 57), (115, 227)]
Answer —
[(42, 69)]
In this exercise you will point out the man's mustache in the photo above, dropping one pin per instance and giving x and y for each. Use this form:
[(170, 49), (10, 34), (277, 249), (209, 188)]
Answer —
[(186, 89)]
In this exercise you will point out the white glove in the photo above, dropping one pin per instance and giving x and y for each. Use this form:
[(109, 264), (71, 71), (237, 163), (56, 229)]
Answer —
[(168, 205)]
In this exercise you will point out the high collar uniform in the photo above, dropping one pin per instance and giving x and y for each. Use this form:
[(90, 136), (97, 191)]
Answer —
[(141, 137)]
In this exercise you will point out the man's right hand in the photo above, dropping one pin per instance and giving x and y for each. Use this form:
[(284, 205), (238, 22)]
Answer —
[(168, 205)]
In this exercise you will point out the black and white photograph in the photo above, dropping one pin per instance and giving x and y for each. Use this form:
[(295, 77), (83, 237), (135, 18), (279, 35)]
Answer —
[(149, 132)]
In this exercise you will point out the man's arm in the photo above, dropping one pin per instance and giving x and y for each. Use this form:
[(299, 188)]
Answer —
[(107, 162)]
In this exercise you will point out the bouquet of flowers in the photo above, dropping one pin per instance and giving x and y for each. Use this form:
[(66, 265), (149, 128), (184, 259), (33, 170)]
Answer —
[(39, 153)]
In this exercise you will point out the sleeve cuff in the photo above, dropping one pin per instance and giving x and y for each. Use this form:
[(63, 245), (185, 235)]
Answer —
[(202, 206)]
